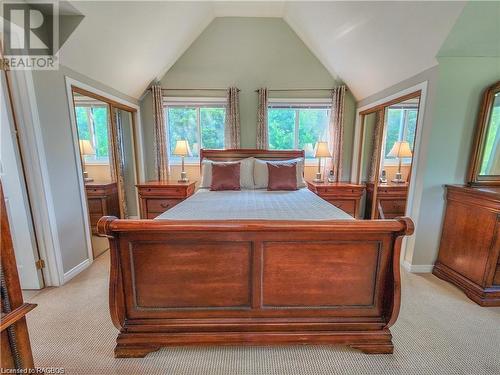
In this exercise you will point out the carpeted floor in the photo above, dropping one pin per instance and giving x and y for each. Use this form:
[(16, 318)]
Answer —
[(439, 331)]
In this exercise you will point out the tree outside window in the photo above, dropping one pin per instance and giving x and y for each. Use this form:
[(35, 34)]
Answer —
[(201, 124), (401, 125), (297, 126), (92, 125)]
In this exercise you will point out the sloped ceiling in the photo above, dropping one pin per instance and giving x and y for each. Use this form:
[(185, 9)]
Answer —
[(368, 45)]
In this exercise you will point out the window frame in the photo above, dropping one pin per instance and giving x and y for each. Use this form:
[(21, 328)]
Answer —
[(403, 131), (189, 102), (297, 104), (94, 160)]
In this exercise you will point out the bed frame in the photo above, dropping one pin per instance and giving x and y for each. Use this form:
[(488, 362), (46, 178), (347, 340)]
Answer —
[(254, 282)]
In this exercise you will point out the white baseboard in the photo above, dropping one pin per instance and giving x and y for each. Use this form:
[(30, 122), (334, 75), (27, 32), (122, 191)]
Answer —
[(418, 268), (75, 270), (133, 217)]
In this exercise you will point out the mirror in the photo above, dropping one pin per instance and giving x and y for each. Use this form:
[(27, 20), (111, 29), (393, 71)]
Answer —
[(485, 160), (106, 141), (388, 135)]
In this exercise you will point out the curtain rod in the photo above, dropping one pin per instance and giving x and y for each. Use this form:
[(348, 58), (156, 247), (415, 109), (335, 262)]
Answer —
[(320, 89), (185, 89)]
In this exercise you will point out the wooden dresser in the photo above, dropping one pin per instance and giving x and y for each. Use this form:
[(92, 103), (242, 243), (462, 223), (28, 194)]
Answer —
[(391, 199), (102, 200), (470, 243), (156, 197), (345, 196)]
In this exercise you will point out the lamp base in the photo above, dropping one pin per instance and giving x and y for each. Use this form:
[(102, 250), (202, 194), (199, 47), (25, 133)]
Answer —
[(398, 179), (184, 177), (318, 178), (86, 177)]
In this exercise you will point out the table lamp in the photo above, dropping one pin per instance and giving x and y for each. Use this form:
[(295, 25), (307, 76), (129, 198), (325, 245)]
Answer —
[(182, 149), (86, 149), (321, 150), (400, 149)]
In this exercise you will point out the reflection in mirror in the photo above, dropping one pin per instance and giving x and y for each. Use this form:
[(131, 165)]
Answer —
[(490, 163), (400, 125), (367, 161), (106, 140), (124, 124), (386, 156)]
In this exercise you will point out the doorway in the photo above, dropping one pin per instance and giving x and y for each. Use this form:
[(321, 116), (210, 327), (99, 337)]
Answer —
[(17, 202)]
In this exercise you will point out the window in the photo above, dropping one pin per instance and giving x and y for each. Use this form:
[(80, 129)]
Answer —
[(92, 124), (200, 122), (401, 125), (297, 125)]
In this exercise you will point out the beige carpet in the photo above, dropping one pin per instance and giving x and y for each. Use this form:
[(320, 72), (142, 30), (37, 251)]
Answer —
[(439, 331)]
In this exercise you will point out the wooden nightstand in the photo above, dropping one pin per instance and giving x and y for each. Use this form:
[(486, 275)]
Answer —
[(156, 197), (102, 200), (343, 195), (391, 199)]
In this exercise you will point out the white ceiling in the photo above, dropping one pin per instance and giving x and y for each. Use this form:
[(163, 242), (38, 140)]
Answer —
[(369, 45)]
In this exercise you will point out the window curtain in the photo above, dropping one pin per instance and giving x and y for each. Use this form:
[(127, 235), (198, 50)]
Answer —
[(232, 125), (335, 133), (161, 136), (262, 130), (376, 145), (116, 160)]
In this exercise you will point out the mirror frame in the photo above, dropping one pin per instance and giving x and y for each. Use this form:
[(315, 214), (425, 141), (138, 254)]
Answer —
[(477, 150)]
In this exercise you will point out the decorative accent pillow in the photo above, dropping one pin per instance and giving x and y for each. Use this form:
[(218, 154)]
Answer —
[(225, 176), (261, 173), (246, 172), (282, 176)]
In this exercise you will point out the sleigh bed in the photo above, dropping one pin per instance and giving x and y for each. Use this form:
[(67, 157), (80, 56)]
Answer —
[(253, 281)]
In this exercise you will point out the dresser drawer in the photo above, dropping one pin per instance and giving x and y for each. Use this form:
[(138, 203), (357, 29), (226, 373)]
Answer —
[(345, 205), (160, 205), (393, 206), (164, 191)]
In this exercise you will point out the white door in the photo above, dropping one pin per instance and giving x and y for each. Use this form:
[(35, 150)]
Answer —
[(16, 199)]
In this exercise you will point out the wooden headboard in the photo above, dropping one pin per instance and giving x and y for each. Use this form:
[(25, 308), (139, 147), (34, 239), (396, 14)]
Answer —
[(242, 153)]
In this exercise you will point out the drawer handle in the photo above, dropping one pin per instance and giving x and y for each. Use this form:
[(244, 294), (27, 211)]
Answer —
[(164, 205)]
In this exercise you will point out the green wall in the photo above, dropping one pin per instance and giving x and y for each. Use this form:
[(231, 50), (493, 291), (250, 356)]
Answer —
[(469, 61), (248, 53)]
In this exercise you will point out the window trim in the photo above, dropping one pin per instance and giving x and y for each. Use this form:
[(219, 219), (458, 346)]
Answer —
[(297, 104), (198, 102)]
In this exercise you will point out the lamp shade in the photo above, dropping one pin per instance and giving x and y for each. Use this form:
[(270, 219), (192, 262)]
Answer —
[(86, 147), (400, 149), (182, 148), (321, 150)]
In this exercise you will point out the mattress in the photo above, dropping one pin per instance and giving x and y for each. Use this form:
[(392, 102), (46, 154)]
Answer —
[(299, 204)]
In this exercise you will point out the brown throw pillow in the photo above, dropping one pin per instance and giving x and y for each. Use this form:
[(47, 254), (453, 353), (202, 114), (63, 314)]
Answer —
[(225, 176), (282, 176)]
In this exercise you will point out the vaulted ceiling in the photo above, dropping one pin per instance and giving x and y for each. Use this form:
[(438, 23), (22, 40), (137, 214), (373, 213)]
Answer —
[(368, 45)]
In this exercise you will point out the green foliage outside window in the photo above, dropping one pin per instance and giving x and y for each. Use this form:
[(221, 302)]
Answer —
[(96, 125), (281, 125), (183, 125), (312, 126), (393, 127)]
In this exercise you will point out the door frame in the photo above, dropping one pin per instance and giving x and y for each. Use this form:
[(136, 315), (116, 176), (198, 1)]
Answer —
[(117, 102), (416, 187)]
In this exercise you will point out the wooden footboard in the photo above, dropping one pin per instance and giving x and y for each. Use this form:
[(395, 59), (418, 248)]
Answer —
[(254, 282)]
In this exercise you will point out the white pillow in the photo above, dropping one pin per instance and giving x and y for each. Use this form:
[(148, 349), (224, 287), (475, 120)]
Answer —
[(246, 172), (261, 174)]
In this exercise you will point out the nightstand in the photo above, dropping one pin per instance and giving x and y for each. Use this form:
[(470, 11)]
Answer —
[(343, 195), (102, 200), (156, 197)]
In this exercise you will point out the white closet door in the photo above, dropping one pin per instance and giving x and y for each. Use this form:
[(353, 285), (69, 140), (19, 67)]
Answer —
[(16, 200)]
